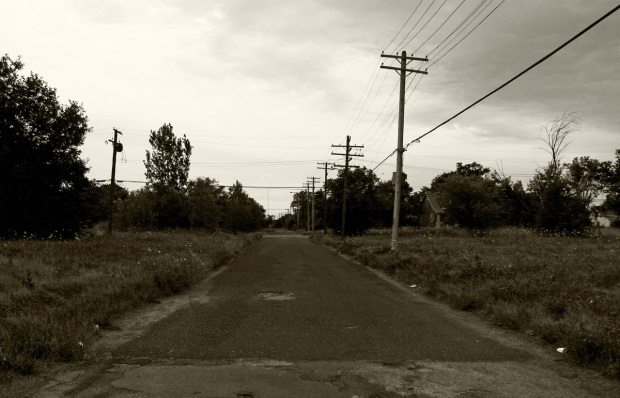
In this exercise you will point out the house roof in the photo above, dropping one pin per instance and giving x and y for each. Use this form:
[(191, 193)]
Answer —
[(434, 201)]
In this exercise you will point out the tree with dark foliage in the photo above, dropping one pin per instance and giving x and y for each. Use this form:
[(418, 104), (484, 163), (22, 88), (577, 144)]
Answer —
[(612, 200), (43, 180), (362, 201), (242, 213), (561, 200), (168, 163), (472, 202)]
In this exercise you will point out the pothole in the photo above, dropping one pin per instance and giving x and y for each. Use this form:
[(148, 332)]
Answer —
[(279, 296)]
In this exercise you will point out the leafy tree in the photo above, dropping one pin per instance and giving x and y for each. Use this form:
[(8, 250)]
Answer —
[(301, 202), (587, 178), (205, 203), (559, 211), (168, 163), (562, 199), (473, 169), (99, 200), (472, 202), (612, 200), (43, 182), (171, 207), (557, 208), (362, 202), (242, 213), (409, 209), (137, 210), (517, 207)]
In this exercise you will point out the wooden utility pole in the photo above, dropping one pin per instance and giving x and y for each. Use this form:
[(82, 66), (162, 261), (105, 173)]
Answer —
[(403, 72), (116, 147), (325, 166), (307, 186), (313, 179), (347, 157)]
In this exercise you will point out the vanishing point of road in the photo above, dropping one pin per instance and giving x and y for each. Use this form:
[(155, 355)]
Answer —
[(292, 318)]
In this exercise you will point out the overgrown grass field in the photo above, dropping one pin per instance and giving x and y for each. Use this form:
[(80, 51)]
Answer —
[(55, 294), (566, 290)]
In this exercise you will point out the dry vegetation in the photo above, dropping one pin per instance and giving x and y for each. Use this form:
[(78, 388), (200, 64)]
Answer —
[(566, 290), (55, 294)]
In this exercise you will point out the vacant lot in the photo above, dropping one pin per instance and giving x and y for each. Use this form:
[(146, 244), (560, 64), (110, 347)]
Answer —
[(566, 290), (56, 295)]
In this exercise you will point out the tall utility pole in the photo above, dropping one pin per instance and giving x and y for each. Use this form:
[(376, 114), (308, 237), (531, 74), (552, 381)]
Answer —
[(307, 186), (403, 72), (313, 180), (325, 166), (347, 157), (116, 147)]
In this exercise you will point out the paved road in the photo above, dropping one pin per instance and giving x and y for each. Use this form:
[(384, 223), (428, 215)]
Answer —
[(292, 318)]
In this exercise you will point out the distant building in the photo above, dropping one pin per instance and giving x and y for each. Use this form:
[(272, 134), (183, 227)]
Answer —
[(434, 213)]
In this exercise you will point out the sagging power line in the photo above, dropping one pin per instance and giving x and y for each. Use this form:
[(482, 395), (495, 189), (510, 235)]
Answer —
[(535, 64)]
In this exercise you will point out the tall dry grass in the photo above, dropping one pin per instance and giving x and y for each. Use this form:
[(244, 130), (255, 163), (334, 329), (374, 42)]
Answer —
[(566, 290), (55, 294)]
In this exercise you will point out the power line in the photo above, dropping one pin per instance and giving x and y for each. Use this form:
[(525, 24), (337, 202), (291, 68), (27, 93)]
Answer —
[(458, 27), (217, 185), (371, 102), (543, 59), (469, 33), (414, 26), (385, 134), (424, 26), (402, 27), (355, 110), (440, 26), (535, 64), (465, 24)]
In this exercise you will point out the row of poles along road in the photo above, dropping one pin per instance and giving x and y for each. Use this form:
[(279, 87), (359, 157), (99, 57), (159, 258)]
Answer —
[(403, 71)]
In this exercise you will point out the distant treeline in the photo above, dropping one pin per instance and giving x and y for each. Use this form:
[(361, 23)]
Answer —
[(559, 199), (44, 191), (202, 205)]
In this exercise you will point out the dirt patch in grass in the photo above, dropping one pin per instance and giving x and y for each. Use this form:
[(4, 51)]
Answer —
[(55, 296), (566, 290)]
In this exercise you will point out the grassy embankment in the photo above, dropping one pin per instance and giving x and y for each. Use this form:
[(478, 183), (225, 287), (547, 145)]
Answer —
[(564, 290), (53, 293)]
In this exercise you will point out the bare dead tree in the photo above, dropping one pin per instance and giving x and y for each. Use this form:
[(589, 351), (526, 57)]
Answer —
[(557, 137)]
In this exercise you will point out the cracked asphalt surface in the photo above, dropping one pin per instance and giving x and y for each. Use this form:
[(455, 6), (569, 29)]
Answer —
[(292, 318)]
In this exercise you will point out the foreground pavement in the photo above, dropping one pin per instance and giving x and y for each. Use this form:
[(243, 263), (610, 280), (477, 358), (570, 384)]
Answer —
[(292, 318)]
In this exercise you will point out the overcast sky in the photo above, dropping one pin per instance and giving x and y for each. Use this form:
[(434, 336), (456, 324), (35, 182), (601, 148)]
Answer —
[(262, 89)]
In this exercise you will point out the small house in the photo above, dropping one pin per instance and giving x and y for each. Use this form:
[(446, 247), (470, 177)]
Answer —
[(434, 213)]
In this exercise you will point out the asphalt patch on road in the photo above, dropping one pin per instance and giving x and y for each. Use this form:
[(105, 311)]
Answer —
[(276, 296)]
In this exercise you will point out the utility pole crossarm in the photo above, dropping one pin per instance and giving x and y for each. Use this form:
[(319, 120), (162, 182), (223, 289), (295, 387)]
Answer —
[(400, 57), (350, 154), (345, 146), (406, 70)]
